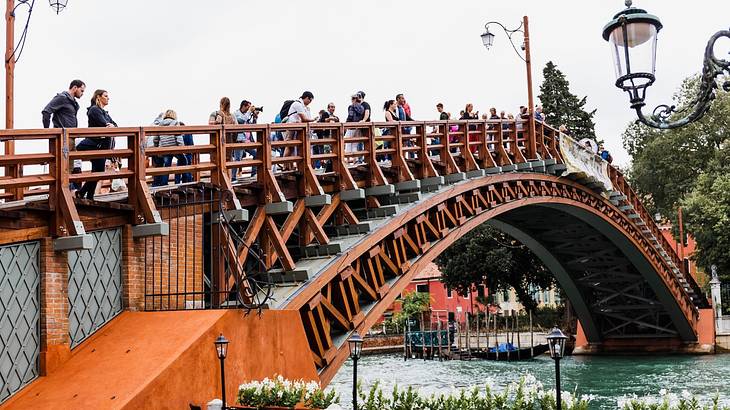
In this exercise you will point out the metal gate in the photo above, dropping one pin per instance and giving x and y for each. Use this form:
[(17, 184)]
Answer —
[(725, 297), (19, 316), (94, 285), (196, 266)]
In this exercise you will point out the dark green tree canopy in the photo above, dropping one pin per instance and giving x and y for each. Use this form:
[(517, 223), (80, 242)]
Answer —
[(689, 167), (486, 255), (562, 107)]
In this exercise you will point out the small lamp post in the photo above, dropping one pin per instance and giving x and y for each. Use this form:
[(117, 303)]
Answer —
[(355, 345), (524, 29), (556, 342), (632, 36), (221, 347)]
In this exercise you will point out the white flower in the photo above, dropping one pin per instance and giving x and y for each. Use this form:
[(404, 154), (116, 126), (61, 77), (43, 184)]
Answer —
[(663, 392), (686, 395)]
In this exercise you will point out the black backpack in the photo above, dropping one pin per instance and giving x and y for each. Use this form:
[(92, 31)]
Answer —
[(284, 111)]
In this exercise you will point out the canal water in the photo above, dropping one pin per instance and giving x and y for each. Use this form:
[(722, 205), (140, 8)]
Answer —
[(608, 378)]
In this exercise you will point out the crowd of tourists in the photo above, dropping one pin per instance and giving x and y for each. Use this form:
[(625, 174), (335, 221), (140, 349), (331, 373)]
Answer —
[(62, 111)]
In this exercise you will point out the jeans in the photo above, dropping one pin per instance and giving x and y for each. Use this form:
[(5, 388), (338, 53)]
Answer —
[(97, 165), (166, 161), (187, 176), (237, 156)]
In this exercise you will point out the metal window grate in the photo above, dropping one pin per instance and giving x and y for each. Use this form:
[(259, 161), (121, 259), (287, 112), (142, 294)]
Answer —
[(19, 316), (94, 285)]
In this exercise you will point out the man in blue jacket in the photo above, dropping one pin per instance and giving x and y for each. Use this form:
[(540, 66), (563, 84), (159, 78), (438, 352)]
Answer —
[(63, 107)]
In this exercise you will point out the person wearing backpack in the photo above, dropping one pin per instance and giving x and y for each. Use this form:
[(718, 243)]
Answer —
[(298, 112)]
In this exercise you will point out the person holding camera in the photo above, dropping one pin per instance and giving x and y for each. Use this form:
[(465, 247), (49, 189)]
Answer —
[(246, 114)]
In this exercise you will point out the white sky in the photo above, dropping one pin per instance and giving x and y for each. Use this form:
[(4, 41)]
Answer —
[(157, 54)]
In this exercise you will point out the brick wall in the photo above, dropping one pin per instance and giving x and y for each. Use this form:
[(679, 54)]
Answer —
[(132, 270), (174, 264), (55, 340)]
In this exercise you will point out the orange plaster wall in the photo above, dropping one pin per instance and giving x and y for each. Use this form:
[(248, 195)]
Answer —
[(580, 337), (165, 360), (706, 327)]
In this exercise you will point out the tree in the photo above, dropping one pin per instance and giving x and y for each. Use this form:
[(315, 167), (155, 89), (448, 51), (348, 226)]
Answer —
[(412, 304), (688, 167), (486, 255), (562, 107)]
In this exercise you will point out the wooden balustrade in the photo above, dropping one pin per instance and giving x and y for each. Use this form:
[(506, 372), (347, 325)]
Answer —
[(348, 155)]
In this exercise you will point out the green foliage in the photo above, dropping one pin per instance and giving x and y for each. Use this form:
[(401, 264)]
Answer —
[(486, 255), (562, 107), (412, 304), (688, 167)]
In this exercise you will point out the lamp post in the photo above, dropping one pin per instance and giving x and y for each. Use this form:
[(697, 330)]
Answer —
[(12, 54), (355, 345), (632, 36), (556, 342), (221, 347), (524, 28)]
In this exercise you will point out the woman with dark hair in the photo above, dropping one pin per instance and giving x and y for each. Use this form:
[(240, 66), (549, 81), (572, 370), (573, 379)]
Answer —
[(98, 117)]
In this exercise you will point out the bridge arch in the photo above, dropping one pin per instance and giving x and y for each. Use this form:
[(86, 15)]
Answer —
[(355, 288)]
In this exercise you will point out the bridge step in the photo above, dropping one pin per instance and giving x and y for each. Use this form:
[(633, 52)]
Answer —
[(281, 276), (374, 213), (318, 251), (509, 168), (556, 169), (432, 184), (539, 166), (524, 167), (348, 230), (626, 208), (402, 198)]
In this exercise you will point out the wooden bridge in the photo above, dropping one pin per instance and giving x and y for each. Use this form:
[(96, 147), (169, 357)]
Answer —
[(322, 233)]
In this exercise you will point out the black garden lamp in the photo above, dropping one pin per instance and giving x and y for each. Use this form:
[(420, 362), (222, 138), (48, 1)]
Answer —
[(556, 342), (632, 36), (355, 345), (221, 347)]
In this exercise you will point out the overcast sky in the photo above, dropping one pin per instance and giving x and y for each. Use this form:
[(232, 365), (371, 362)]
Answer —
[(185, 55)]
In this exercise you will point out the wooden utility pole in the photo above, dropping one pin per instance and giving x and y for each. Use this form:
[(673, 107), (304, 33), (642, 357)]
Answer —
[(532, 139), (9, 70)]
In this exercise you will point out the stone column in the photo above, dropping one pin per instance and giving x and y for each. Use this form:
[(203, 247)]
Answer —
[(716, 299)]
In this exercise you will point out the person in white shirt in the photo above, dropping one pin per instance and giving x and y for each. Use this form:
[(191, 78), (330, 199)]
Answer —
[(298, 112)]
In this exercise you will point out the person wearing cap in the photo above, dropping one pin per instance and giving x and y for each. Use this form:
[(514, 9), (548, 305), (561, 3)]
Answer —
[(298, 112)]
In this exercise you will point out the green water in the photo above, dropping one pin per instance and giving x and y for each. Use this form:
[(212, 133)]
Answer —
[(608, 378)]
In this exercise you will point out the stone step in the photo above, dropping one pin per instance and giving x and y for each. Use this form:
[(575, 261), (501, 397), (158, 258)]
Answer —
[(318, 251), (556, 169), (348, 230), (374, 213), (402, 198), (296, 275)]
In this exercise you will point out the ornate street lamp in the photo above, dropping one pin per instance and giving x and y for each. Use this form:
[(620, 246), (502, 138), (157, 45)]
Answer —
[(355, 345), (221, 347), (524, 29), (58, 5), (632, 35), (556, 342)]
